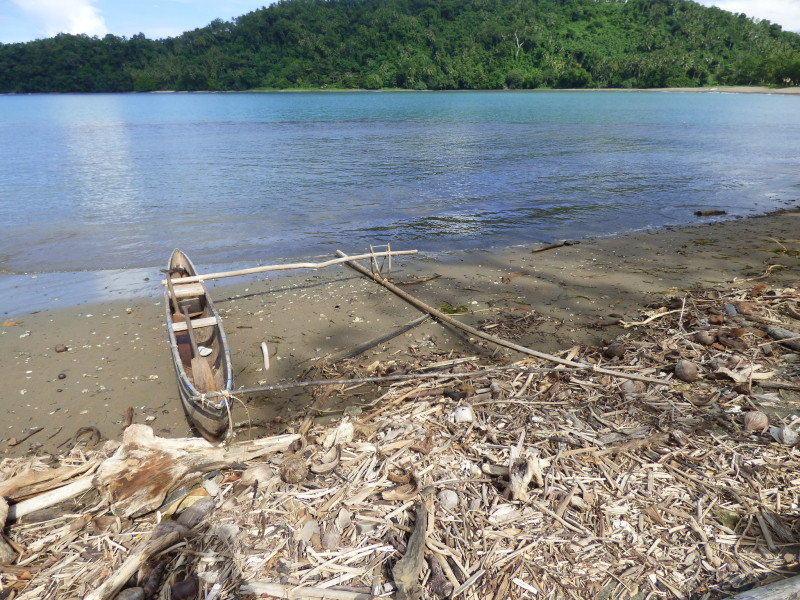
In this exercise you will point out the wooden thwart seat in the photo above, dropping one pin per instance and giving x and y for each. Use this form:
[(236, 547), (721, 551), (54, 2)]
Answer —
[(187, 290), (196, 323)]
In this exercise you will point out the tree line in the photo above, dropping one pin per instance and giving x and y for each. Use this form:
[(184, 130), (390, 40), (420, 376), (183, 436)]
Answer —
[(423, 44)]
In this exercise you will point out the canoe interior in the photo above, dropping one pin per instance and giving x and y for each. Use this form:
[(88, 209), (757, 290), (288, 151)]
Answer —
[(198, 308), (210, 418)]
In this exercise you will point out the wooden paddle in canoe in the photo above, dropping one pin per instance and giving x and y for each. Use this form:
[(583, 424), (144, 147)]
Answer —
[(201, 371)]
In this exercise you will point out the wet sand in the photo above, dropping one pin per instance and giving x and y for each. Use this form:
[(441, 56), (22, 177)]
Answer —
[(117, 354)]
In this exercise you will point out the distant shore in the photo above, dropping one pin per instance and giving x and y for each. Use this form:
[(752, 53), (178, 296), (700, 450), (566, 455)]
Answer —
[(118, 357), (721, 89), (737, 89), (734, 89)]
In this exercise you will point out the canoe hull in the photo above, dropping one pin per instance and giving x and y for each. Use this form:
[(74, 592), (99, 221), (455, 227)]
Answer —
[(209, 414)]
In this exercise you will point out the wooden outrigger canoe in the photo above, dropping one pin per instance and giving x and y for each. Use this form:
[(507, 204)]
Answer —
[(203, 375)]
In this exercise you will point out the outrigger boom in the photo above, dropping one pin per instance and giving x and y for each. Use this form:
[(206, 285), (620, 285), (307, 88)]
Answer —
[(304, 265)]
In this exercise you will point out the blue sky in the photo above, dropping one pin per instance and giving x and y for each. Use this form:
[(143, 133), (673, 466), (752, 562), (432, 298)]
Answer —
[(25, 20)]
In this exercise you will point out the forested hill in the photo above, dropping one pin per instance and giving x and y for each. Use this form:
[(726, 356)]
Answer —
[(424, 44)]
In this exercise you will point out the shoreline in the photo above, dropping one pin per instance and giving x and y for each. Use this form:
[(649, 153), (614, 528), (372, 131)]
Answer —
[(71, 289), (118, 356), (732, 89)]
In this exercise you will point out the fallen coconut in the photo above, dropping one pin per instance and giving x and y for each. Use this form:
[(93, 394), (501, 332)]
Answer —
[(755, 420), (632, 386), (293, 469), (614, 350), (686, 370), (705, 337)]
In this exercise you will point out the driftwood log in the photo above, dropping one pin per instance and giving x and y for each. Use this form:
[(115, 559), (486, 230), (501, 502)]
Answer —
[(407, 570), (111, 586), (785, 589), (32, 482), (137, 478), (790, 339)]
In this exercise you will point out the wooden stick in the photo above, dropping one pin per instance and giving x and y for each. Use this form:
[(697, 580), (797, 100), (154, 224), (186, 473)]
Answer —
[(787, 338), (300, 593), (313, 411), (778, 385), (32, 432), (110, 587), (495, 340), (305, 265)]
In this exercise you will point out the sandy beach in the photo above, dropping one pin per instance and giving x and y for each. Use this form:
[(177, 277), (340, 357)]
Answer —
[(117, 354)]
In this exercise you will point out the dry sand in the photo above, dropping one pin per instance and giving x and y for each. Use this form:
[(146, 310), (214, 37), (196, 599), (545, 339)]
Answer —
[(118, 356)]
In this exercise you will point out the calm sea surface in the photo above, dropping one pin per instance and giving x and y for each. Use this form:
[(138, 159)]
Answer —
[(96, 190)]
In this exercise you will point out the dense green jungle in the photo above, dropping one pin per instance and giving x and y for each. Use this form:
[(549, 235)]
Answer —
[(423, 44)]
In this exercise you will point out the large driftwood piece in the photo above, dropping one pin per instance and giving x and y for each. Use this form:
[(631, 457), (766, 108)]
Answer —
[(31, 482), (137, 478), (444, 318), (407, 570)]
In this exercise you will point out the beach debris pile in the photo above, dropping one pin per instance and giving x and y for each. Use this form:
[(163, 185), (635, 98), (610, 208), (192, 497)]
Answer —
[(486, 478)]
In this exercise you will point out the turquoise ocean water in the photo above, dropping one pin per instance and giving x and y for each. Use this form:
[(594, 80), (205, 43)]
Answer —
[(96, 190)]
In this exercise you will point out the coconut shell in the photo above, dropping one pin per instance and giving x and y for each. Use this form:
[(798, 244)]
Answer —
[(293, 469), (686, 370), (755, 421), (614, 350), (705, 337)]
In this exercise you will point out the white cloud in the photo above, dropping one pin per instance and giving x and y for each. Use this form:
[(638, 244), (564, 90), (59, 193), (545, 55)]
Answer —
[(65, 16), (785, 13)]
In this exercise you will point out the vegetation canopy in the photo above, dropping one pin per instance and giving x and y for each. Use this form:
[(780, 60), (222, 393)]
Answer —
[(424, 44)]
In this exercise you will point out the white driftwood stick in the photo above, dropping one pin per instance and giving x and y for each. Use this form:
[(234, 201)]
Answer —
[(3, 513), (785, 589), (305, 265), (265, 352), (299, 593), (50, 498)]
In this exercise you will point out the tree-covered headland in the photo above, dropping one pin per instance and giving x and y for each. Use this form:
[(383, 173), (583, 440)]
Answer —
[(424, 44)]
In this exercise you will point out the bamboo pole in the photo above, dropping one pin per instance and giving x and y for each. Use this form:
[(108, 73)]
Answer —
[(488, 337), (304, 265)]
